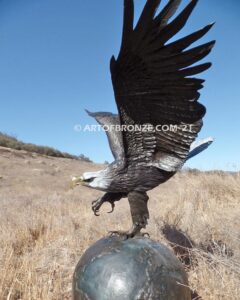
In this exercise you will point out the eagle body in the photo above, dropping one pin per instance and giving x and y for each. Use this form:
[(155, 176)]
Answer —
[(154, 84), (135, 178)]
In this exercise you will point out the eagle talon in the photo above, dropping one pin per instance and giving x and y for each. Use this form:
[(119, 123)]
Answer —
[(96, 204), (144, 234), (124, 234), (134, 231), (128, 234), (113, 206)]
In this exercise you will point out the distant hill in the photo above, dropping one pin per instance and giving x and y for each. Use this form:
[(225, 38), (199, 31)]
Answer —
[(9, 141)]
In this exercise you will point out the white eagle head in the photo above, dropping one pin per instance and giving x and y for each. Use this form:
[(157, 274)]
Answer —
[(96, 180)]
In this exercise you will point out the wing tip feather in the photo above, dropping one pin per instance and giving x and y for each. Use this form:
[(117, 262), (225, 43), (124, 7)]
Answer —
[(91, 114), (211, 44)]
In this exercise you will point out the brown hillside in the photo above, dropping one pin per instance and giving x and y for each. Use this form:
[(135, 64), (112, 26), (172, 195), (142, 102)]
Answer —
[(45, 226)]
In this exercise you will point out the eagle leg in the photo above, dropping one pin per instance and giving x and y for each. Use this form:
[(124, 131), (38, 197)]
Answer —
[(108, 197), (140, 215)]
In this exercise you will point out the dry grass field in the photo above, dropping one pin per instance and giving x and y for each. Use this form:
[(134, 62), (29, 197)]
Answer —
[(45, 226)]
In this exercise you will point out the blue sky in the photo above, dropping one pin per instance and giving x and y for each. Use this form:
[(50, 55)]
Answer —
[(54, 63)]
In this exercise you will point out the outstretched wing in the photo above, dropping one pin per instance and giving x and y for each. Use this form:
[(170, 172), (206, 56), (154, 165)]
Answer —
[(152, 84), (110, 122)]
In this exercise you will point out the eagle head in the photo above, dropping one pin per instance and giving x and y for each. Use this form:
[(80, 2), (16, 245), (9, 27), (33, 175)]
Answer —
[(95, 180)]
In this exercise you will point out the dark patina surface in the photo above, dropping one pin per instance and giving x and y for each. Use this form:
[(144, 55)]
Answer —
[(132, 269), (156, 88)]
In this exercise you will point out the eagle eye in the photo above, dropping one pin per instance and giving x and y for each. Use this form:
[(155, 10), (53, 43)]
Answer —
[(89, 180)]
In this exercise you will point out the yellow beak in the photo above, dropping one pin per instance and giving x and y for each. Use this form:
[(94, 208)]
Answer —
[(77, 181)]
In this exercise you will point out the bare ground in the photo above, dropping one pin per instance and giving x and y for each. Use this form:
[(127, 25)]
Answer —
[(45, 226)]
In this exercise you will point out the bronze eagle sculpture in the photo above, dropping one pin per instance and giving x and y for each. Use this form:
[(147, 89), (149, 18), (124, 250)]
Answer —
[(154, 84)]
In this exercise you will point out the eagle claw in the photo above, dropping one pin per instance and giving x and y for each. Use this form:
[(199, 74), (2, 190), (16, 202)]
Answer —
[(134, 231), (127, 235), (124, 234), (96, 205), (113, 206)]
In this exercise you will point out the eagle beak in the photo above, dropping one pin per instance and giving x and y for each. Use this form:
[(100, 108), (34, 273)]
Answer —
[(77, 181)]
